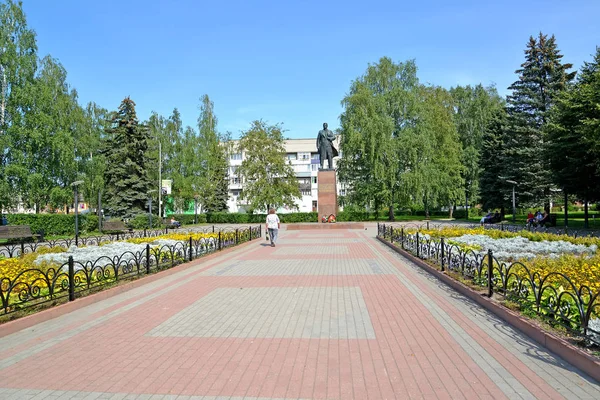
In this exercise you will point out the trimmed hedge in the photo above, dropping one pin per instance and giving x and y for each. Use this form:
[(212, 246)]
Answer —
[(55, 224), (238, 218), (142, 221)]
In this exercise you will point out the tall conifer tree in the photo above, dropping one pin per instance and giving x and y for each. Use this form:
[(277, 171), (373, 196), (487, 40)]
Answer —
[(127, 182), (541, 78)]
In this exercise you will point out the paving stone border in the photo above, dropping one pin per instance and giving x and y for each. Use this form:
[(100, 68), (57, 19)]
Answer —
[(580, 359)]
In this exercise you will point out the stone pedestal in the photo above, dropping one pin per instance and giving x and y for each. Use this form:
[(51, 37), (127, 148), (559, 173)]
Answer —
[(327, 194)]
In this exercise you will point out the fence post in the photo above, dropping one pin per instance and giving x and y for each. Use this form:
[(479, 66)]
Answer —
[(213, 229), (490, 272), (418, 251), (427, 225), (237, 237), (22, 247), (392, 234), (147, 258), (71, 279), (144, 232), (166, 230), (442, 241), (190, 248), (219, 240)]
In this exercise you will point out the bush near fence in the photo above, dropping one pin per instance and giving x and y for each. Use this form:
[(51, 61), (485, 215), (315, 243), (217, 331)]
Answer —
[(55, 224)]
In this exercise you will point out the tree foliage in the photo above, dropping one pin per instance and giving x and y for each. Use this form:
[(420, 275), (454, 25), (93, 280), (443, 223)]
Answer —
[(542, 77), (213, 184), (573, 134), (127, 183), (399, 144), (474, 108), (269, 180)]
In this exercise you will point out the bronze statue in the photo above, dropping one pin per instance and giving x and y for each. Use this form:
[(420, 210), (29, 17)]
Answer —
[(325, 147)]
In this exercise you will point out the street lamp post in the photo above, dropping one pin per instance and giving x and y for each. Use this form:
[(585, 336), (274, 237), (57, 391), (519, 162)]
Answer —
[(150, 192), (75, 186)]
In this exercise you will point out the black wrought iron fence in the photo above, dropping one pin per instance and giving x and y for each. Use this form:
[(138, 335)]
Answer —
[(553, 296), (37, 286), (26, 247), (500, 226)]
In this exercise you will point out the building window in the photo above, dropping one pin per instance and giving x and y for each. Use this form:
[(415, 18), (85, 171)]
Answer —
[(236, 156), (305, 192), (342, 192), (314, 156), (235, 180), (292, 156), (314, 167), (314, 179)]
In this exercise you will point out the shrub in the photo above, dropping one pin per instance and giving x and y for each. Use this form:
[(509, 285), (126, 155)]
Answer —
[(141, 221), (55, 224)]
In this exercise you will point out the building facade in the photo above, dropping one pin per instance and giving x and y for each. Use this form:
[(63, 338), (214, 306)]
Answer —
[(303, 157)]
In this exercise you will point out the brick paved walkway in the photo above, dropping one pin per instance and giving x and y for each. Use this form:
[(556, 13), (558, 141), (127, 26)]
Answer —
[(324, 315)]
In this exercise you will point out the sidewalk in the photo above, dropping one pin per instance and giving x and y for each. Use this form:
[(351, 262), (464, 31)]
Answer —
[(324, 315)]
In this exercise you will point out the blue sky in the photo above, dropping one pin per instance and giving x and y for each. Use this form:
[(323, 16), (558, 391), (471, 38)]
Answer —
[(290, 61)]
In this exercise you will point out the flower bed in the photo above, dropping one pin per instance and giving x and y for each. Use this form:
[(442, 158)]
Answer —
[(53, 273), (554, 276)]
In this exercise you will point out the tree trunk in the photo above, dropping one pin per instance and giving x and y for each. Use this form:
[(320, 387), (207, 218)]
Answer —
[(502, 212), (391, 213), (586, 224), (566, 209), (451, 212)]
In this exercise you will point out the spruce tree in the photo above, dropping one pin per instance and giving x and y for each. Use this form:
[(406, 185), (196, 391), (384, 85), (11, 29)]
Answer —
[(573, 134), (127, 183), (541, 78), (493, 190)]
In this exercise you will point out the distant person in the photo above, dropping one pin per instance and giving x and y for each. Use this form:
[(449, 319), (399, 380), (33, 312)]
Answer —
[(273, 225), (530, 218), (175, 223)]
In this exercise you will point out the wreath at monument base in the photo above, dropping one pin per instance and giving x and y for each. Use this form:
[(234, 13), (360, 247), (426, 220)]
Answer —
[(330, 219)]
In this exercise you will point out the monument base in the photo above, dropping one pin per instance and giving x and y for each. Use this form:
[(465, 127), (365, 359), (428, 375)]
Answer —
[(327, 193)]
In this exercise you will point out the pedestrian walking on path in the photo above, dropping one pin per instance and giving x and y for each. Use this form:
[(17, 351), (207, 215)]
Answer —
[(273, 225)]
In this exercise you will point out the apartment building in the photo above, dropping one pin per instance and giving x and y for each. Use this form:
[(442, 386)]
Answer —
[(303, 157)]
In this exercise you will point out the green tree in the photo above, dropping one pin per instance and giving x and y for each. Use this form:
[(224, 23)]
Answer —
[(91, 161), (573, 133), (213, 184), (269, 180), (379, 109), (127, 183), (18, 64), (399, 143), (541, 79), (493, 190), (47, 147), (474, 108)]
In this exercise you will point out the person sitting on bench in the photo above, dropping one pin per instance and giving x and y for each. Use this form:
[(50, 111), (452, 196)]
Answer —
[(545, 219), (175, 223)]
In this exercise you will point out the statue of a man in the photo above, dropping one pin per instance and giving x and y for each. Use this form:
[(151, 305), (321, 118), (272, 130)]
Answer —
[(325, 147)]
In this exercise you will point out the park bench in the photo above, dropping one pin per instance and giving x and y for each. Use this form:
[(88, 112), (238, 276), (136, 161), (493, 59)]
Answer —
[(115, 227), (16, 232)]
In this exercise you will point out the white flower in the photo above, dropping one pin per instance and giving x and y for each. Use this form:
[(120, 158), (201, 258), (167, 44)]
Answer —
[(520, 247)]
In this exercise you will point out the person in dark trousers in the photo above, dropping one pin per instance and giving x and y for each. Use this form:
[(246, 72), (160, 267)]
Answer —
[(273, 225)]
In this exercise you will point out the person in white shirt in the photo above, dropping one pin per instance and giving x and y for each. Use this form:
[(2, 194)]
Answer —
[(273, 225)]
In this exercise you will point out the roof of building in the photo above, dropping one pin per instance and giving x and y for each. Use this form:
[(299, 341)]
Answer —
[(303, 145)]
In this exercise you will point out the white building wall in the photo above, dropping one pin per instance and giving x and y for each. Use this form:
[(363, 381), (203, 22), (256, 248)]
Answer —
[(301, 156)]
